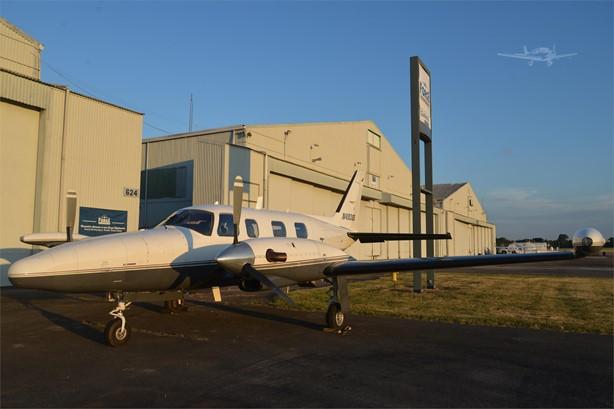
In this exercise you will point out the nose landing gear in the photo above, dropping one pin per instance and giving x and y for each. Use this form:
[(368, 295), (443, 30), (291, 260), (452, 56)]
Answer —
[(117, 332)]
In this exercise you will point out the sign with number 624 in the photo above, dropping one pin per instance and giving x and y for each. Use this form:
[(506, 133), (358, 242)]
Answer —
[(130, 192)]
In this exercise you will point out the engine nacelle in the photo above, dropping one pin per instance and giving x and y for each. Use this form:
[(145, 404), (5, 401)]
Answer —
[(587, 241), (295, 259)]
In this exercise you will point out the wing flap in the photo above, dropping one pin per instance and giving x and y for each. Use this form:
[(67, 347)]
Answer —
[(381, 237), (437, 263)]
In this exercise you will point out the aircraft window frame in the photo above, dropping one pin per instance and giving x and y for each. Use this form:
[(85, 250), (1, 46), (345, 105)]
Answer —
[(250, 223), (277, 223), (231, 231), (173, 221), (303, 233)]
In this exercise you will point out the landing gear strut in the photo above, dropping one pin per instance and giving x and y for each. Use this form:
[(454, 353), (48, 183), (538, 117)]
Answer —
[(338, 306), (117, 331)]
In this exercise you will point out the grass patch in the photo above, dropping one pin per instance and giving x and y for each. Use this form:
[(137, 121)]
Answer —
[(573, 304)]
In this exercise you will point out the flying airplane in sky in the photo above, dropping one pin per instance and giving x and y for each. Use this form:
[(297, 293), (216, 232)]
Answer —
[(541, 54), (213, 246)]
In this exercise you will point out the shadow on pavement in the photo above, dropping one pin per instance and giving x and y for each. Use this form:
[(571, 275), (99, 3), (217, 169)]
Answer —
[(260, 315)]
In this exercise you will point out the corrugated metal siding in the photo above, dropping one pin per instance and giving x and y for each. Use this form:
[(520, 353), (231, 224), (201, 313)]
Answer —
[(50, 101), (17, 54), (102, 149), (207, 156)]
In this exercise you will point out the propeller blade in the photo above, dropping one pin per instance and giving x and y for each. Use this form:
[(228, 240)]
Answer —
[(253, 273), (71, 213), (237, 202)]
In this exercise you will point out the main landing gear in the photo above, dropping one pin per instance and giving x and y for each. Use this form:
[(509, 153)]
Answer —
[(117, 331), (338, 306)]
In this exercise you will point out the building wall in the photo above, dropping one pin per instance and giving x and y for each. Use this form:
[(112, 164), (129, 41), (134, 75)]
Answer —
[(464, 201), (305, 168), (19, 52), (68, 142), (18, 147), (202, 162)]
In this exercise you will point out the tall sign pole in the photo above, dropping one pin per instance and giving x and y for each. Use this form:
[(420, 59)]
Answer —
[(421, 132)]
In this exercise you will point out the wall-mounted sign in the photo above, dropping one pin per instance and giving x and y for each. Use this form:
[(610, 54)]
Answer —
[(97, 222), (424, 100), (131, 192)]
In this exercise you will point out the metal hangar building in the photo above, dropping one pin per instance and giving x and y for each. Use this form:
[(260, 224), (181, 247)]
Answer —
[(305, 168), (53, 140)]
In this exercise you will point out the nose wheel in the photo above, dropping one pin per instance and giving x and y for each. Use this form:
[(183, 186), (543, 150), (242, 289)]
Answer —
[(117, 331)]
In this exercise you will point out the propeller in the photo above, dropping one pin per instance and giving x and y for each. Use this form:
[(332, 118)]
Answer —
[(253, 273), (239, 257), (237, 202), (71, 213)]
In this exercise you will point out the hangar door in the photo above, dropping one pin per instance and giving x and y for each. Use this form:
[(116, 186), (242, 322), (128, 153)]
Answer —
[(462, 239), (18, 153)]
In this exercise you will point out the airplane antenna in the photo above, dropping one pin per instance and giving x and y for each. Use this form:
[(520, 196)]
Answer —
[(191, 113)]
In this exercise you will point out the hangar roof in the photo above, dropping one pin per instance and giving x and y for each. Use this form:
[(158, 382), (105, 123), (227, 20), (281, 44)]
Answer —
[(443, 190)]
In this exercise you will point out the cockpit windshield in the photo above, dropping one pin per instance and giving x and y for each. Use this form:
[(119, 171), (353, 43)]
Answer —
[(197, 220)]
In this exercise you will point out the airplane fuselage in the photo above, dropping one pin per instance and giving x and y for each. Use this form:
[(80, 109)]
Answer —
[(183, 256)]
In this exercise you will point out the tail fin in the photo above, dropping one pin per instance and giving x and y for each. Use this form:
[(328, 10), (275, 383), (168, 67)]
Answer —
[(346, 214), (525, 49)]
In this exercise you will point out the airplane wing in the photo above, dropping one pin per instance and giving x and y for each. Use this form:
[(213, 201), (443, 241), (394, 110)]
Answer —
[(436, 263), (381, 237), (521, 56), (564, 55)]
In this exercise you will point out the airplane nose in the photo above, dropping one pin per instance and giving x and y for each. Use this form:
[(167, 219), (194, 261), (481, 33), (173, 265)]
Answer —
[(235, 257), (21, 271)]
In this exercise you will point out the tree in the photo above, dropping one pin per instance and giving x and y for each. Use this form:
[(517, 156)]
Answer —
[(609, 243), (503, 242), (562, 242)]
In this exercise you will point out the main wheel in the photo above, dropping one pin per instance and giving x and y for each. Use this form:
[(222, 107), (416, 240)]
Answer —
[(174, 305), (114, 334), (334, 316)]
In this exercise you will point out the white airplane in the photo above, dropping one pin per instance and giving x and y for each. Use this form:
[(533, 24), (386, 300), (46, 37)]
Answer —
[(541, 54), (212, 246)]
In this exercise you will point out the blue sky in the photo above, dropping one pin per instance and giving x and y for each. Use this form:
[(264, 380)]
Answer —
[(535, 142)]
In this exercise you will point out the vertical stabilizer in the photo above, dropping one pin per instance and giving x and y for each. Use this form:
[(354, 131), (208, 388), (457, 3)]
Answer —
[(525, 49), (346, 214)]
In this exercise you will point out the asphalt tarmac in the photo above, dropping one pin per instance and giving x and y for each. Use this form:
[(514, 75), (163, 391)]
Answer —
[(234, 355)]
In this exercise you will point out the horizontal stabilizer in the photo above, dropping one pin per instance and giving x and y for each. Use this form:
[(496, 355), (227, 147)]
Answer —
[(381, 237)]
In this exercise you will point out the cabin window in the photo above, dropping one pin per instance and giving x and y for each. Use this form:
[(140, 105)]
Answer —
[(197, 220), (301, 230), (279, 229), (225, 227), (251, 227)]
